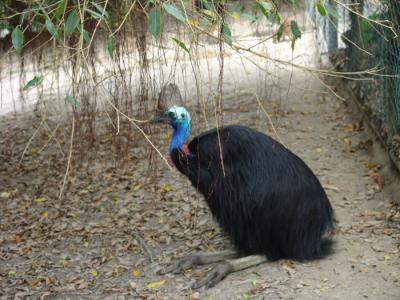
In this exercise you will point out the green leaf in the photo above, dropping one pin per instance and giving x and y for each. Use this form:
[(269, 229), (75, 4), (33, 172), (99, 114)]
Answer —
[(235, 14), (71, 23), (265, 8), (60, 9), (321, 9), (174, 11), (96, 15), (332, 11), (17, 38), (249, 17), (295, 31), (74, 103), (38, 79), (181, 44), (5, 25), (227, 34), (85, 34), (279, 34), (50, 27), (209, 5), (100, 9), (209, 13), (296, 2), (111, 46), (275, 17), (155, 21), (58, 32)]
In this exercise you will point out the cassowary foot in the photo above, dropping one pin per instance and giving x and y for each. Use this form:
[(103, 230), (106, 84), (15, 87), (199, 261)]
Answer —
[(182, 264), (218, 273), (198, 259), (222, 270)]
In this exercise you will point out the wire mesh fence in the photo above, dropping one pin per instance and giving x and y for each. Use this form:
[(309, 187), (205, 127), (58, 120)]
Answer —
[(367, 32)]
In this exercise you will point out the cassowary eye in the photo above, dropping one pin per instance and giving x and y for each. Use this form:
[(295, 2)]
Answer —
[(182, 116), (172, 115)]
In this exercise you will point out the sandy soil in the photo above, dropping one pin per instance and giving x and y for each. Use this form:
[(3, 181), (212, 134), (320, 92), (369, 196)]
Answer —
[(118, 222)]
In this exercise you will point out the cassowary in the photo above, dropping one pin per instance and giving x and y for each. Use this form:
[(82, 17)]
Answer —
[(264, 197)]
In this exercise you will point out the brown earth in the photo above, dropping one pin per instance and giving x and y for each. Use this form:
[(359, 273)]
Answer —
[(120, 220), (117, 224)]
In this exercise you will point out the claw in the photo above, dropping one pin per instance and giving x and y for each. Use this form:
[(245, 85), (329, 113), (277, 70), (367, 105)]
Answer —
[(214, 276), (182, 264)]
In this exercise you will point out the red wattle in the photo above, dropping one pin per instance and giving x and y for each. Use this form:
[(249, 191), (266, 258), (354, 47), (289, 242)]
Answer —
[(186, 149)]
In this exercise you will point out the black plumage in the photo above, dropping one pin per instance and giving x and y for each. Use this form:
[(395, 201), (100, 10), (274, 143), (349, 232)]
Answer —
[(265, 197)]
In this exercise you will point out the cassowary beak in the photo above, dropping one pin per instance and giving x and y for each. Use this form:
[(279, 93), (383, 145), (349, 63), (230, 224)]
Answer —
[(160, 119)]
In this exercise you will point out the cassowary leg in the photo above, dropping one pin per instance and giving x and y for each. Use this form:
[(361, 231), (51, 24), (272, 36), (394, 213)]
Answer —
[(232, 265), (201, 258)]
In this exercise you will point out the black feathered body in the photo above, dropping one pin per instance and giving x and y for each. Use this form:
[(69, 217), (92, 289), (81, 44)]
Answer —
[(265, 198)]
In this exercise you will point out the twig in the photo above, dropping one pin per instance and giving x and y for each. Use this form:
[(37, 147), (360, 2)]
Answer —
[(124, 20), (347, 39), (69, 158), (218, 107), (238, 48), (32, 137), (379, 22), (144, 246), (269, 119), (133, 121), (117, 122), (328, 87), (51, 136), (98, 23)]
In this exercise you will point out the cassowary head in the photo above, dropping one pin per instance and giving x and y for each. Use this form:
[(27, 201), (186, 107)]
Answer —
[(170, 111), (179, 118)]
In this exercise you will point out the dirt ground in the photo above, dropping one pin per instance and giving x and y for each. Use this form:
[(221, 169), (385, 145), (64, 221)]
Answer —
[(118, 223), (114, 228)]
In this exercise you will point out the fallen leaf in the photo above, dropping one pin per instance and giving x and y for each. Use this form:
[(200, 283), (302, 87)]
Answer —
[(136, 272), (137, 187), (83, 192), (40, 200), (347, 141), (19, 239), (196, 296), (132, 284), (83, 285), (331, 187), (167, 188), (372, 165), (156, 284), (373, 213), (115, 199), (5, 195)]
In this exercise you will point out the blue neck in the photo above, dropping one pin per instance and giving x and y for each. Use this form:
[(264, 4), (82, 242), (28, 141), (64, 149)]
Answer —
[(179, 136)]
